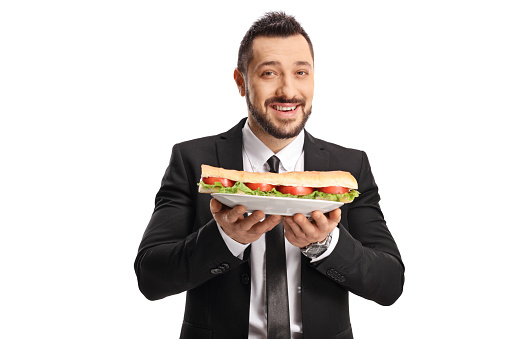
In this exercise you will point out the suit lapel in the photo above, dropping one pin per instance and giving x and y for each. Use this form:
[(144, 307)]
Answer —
[(316, 158), (229, 151), (229, 148)]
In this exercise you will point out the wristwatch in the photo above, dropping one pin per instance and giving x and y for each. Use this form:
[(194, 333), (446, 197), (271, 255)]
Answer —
[(316, 249)]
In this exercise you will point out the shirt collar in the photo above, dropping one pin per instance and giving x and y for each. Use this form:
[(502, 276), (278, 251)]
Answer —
[(258, 153)]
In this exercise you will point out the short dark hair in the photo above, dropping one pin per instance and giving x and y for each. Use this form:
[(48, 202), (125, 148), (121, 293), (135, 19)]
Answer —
[(272, 24)]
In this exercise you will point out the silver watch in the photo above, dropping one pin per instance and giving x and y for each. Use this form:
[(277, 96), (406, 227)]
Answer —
[(316, 249)]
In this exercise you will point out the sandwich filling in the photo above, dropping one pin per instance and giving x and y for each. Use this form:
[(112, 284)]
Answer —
[(241, 188)]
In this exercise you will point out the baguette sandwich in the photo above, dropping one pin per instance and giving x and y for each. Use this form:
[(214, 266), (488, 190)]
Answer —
[(327, 185)]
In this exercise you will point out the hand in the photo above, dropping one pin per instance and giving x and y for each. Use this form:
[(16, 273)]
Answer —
[(301, 232), (240, 229)]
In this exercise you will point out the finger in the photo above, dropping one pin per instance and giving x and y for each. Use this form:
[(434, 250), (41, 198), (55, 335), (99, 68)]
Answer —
[(289, 233), (266, 225), (293, 225), (247, 223), (271, 221), (335, 216), (308, 226), (215, 206), (321, 221), (235, 214)]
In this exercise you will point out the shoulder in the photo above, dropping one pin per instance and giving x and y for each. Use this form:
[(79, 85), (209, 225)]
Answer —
[(354, 161), (207, 144), (195, 145), (340, 157), (191, 154), (335, 148)]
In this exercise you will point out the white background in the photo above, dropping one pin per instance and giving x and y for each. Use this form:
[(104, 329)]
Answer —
[(93, 95)]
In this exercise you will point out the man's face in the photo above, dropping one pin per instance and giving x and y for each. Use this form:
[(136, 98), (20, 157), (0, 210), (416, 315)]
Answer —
[(280, 84)]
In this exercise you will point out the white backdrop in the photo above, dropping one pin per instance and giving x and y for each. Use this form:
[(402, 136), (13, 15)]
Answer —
[(93, 95)]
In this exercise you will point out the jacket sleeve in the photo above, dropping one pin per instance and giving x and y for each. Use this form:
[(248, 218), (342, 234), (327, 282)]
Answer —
[(366, 260), (175, 254)]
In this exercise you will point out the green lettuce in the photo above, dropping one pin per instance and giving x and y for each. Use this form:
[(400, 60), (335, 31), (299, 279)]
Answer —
[(240, 186)]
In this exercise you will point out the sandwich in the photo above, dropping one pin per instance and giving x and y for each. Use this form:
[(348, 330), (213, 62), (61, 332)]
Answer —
[(324, 185)]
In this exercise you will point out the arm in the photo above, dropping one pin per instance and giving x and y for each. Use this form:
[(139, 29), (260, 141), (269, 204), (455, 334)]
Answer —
[(175, 254), (366, 259)]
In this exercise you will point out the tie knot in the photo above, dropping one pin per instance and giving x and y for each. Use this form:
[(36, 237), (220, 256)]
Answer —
[(273, 163)]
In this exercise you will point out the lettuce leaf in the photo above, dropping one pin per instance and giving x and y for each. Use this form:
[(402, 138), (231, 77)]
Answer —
[(240, 186)]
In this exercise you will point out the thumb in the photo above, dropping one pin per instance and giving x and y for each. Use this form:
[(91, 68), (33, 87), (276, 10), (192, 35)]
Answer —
[(215, 206)]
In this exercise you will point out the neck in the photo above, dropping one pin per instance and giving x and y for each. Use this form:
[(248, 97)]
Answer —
[(274, 144)]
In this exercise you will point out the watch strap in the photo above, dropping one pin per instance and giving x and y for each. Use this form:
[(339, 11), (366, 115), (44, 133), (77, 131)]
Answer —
[(316, 249)]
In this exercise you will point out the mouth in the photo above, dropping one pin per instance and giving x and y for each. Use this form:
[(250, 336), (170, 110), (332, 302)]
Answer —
[(285, 109)]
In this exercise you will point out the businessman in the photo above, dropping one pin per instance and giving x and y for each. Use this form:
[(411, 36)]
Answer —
[(255, 275)]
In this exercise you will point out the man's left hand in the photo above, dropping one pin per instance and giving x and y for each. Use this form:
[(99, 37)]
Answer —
[(300, 231)]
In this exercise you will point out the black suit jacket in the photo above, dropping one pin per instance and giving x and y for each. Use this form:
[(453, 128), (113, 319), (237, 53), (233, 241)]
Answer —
[(182, 249)]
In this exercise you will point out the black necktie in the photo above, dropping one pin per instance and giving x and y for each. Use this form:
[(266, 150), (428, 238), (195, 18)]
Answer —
[(278, 314)]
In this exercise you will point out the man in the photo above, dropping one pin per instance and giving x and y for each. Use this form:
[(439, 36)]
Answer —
[(218, 254)]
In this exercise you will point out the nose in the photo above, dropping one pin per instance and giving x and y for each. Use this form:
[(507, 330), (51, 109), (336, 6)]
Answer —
[(287, 87)]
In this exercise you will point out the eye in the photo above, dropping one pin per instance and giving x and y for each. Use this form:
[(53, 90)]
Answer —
[(267, 73), (302, 73)]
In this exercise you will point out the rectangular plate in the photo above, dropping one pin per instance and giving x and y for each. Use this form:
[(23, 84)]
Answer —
[(276, 205)]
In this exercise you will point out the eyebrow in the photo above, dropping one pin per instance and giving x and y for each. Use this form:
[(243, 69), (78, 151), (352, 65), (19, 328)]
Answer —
[(277, 63), (302, 63)]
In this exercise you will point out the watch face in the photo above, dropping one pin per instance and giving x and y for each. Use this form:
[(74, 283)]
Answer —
[(315, 251)]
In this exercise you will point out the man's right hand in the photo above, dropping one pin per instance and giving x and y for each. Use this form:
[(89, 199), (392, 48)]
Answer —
[(240, 229)]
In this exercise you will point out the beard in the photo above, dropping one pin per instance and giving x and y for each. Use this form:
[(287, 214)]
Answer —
[(281, 132)]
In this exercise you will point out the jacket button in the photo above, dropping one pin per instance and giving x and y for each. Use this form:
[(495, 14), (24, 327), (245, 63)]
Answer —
[(335, 275), (245, 279), (224, 266), (331, 273), (216, 271)]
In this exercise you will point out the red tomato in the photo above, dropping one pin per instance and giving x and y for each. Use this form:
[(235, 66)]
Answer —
[(225, 182), (295, 190), (334, 189), (262, 187)]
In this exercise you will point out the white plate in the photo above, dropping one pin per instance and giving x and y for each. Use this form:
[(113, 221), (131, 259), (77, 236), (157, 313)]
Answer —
[(276, 206)]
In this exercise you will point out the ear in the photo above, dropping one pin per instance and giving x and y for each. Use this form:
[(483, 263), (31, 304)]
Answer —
[(239, 80)]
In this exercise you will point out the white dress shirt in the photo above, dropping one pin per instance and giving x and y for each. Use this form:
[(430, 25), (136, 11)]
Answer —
[(255, 155)]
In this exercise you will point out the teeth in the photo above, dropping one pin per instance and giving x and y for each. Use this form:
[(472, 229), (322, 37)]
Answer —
[(282, 108)]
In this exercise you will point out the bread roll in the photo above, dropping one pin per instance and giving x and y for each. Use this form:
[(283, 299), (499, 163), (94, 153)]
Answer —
[(305, 178)]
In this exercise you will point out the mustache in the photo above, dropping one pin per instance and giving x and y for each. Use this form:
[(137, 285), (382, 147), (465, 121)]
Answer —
[(284, 101)]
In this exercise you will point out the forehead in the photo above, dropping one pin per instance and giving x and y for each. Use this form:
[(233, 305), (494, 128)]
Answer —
[(287, 51)]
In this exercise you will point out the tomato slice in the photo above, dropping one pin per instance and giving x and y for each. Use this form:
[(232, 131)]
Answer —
[(333, 189), (295, 190), (212, 180), (261, 186)]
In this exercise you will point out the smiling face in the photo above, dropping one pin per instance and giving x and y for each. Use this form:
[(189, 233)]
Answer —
[(279, 86)]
